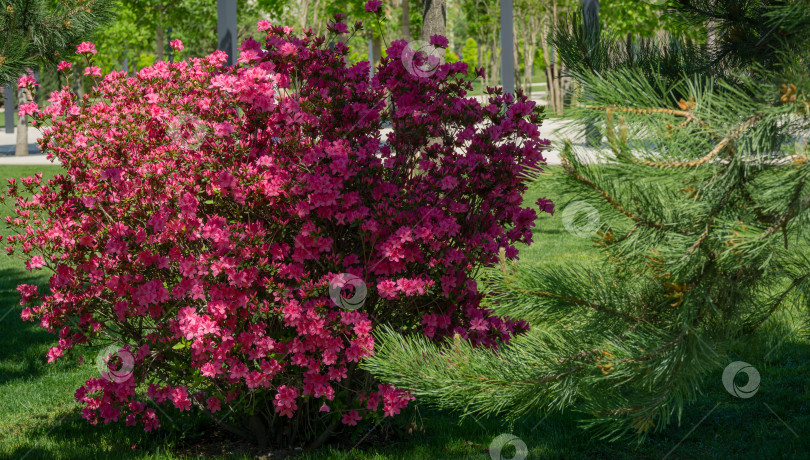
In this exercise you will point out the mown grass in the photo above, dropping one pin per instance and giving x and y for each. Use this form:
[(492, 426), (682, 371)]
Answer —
[(3, 120), (40, 419)]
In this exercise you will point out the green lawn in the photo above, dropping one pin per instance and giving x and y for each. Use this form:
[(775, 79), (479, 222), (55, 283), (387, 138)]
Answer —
[(3, 120), (538, 77), (39, 418)]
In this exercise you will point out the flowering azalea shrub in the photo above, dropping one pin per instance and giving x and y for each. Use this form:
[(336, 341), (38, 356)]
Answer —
[(205, 210)]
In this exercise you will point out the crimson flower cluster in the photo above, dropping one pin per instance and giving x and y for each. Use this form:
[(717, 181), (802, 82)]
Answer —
[(204, 210)]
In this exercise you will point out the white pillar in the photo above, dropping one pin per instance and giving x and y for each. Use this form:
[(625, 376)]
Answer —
[(507, 48), (371, 57), (226, 29), (590, 21), (590, 15)]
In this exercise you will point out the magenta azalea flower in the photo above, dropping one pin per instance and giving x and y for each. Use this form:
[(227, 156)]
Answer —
[(373, 6), (439, 41)]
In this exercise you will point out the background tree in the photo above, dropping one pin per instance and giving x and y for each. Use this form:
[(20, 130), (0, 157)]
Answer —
[(142, 30), (125, 43), (405, 19), (633, 18), (469, 53), (33, 31), (434, 22), (528, 27), (703, 200), (481, 19), (318, 14), (38, 31)]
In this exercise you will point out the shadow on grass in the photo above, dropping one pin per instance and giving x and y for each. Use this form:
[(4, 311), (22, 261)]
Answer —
[(69, 436), (772, 424), (548, 230), (24, 344)]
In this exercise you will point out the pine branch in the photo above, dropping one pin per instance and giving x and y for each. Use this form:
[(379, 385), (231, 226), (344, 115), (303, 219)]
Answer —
[(36, 31), (695, 192), (583, 303), (612, 201)]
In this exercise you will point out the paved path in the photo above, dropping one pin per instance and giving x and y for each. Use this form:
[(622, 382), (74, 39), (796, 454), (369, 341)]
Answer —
[(8, 148), (36, 160)]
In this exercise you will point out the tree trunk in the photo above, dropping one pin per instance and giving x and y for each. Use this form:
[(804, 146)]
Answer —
[(629, 45), (494, 62), (550, 96), (528, 64), (376, 49), (161, 48), (22, 124), (484, 63), (405, 21), (316, 17), (551, 76), (559, 81), (302, 14), (78, 80), (515, 54), (561, 87), (553, 80), (434, 22), (259, 431), (711, 36)]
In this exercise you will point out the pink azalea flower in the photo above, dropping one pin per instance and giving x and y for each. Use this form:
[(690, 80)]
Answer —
[(213, 404), (351, 418), (53, 354), (288, 49), (26, 81), (285, 400), (209, 370), (479, 324), (30, 108), (86, 48), (180, 399), (223, 129), (35, 263), (92, 71), (224, 245)]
